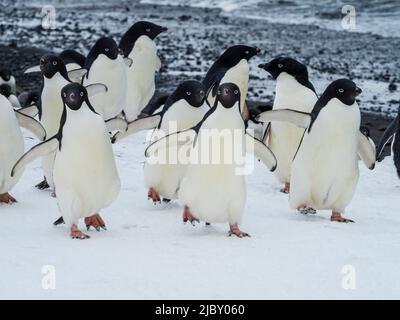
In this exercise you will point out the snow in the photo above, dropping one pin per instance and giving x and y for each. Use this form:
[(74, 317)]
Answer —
[(147, 252)]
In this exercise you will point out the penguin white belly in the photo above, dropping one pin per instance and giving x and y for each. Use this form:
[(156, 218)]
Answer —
[(141, 82), (72, 66), (284, 137), (11, 145), (325, 170), (166, 178), (239, 75), (85, 172), (214, 192), (52, 109), (111, 73)]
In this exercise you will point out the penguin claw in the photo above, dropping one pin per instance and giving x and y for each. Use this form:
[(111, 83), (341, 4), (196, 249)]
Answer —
[(96, 222), (187, 216), (307, 210), (7, 198), (59, 221), (234, 230), (337, 217), (42, 185), (153, 195), (78, 234)]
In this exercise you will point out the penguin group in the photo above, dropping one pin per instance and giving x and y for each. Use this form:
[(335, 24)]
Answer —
[(311, 142)]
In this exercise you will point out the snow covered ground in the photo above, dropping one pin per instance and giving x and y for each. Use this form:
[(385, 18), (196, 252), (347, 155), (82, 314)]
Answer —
[(147, 252)]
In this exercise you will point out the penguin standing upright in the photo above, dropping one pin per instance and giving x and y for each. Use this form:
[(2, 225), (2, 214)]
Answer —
[(6, 77), (104, 64), (138, 44), (391, 134), (50, 106), (213, 188), (184, 108), (12, 144), (325, 171), (232, 66), (293, 90), (85, 172)]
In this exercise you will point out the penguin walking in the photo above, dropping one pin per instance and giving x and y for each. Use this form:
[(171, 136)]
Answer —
[(12, 144), (213, 189), (325, 170), (72, 59), (105, 64), (85, 172), (50, 106), (293, 89), (138, 44), (6, 77), (391, 134), (232, 66), (184, 108)]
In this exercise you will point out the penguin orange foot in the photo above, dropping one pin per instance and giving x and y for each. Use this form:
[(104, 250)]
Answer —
[(187, 216), (337, 216), (7, 198), (286, 188), (96, 222), (153, 195), (78, 234), (234, 229)]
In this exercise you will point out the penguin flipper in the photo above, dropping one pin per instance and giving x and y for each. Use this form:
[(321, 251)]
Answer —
[(298, 118), (138, 125), (31, 124), (116, 124), (261, 151), (31, 111), (76, 75), (387, 137), (366, 150), (179, 138), (33, 69), (96, 88), (36, 152), (14, 101)]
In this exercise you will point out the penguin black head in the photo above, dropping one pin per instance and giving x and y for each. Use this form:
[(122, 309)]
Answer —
[(236, 53), (343, 89), (138, 29), (284, 64), (72, 56), (5, 90), (104, 45), (51, 64), (192, 91), (5, 74), (228, 94), (73, 95)]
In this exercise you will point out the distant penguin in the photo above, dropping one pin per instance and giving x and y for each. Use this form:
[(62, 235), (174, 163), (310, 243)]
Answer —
[(50, 106), (325, 168), (184, 108), (231, 66), (138, 44), (12, 144), (391, 134), (5, 90), (104, 64), (7, 78), (72, 59), (29, 102), (85, 172), (293, 90), (213, 189)]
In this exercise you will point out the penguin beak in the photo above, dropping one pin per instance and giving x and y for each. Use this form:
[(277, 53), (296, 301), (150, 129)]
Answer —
[(358, 91), (164, 29), (264, 66), (33, 69)]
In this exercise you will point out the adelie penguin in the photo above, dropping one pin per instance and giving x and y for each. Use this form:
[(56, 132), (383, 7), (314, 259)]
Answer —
[(293, 90), (105, 64), (325, 170), (184, 108), (231, 66), (85, 172), (6, 77), (12, 144), (138, 45), (391, 135), (212, 190), (6, 91)]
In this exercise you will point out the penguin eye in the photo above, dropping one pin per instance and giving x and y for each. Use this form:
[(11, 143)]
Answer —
[(54, 63), (236, 92), (147, 29), (247, 52), (280, 65), (107, 49), (188, 93), (81, 93), (341, 90), (64, 95)]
